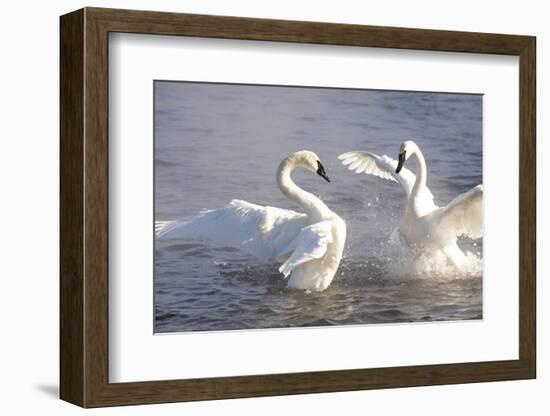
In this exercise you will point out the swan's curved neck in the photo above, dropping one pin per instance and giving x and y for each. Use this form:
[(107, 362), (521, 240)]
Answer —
[(312, 206), (421, 172)]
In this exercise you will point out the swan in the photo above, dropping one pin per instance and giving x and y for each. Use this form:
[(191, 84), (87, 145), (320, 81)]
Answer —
[(424, 226), (309, 244)]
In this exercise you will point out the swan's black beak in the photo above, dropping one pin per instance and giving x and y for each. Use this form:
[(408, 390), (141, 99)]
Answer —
[(321, 171), (401, 162)]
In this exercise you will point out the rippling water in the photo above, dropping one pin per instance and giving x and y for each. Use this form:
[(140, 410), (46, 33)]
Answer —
[(216, 142)]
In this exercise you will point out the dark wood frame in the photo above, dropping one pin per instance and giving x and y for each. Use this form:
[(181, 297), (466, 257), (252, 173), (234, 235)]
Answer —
[(84, 207)]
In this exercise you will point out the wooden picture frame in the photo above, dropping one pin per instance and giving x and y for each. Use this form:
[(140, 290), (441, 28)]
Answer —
[(84, 207)]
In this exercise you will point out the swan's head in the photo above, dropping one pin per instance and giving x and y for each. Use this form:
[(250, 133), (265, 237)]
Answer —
[(407, 149), (308, 160)]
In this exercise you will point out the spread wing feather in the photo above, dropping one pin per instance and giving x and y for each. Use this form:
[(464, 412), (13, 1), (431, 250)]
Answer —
[(311, 243), (261, 231), (380, 166), (464, 214), (384, 167)]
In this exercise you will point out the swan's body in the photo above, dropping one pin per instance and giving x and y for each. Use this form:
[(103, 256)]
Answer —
[(424, 226), (309, 245)]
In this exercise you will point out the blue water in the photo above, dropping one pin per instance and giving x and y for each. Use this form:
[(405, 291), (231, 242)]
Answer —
[(217, 142)]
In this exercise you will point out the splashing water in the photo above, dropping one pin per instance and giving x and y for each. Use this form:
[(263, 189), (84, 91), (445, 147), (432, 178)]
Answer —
[(436, 266)]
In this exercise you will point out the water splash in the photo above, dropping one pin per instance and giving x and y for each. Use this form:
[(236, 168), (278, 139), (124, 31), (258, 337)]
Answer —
[(436, 266)]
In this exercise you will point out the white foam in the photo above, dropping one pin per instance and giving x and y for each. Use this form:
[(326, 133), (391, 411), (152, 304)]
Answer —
[(412, 264)]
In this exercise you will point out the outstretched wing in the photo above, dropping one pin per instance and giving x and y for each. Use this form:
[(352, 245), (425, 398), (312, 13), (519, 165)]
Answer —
[(381, 166), (464, 214), (384, 167), (311, 243), (258, 230)]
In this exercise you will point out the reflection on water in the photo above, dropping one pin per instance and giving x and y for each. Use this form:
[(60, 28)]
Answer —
[(217, 142)]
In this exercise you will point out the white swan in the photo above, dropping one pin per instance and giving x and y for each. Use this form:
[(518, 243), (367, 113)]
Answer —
[(424, 225), (309, 245)]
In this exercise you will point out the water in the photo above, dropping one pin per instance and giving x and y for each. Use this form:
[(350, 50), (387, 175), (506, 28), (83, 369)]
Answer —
[(217, 142)]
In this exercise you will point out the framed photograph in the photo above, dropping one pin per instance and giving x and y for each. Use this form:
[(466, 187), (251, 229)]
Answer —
[(255, 207)]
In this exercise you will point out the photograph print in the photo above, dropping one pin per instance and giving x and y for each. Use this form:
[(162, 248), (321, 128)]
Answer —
[(294, 206)]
